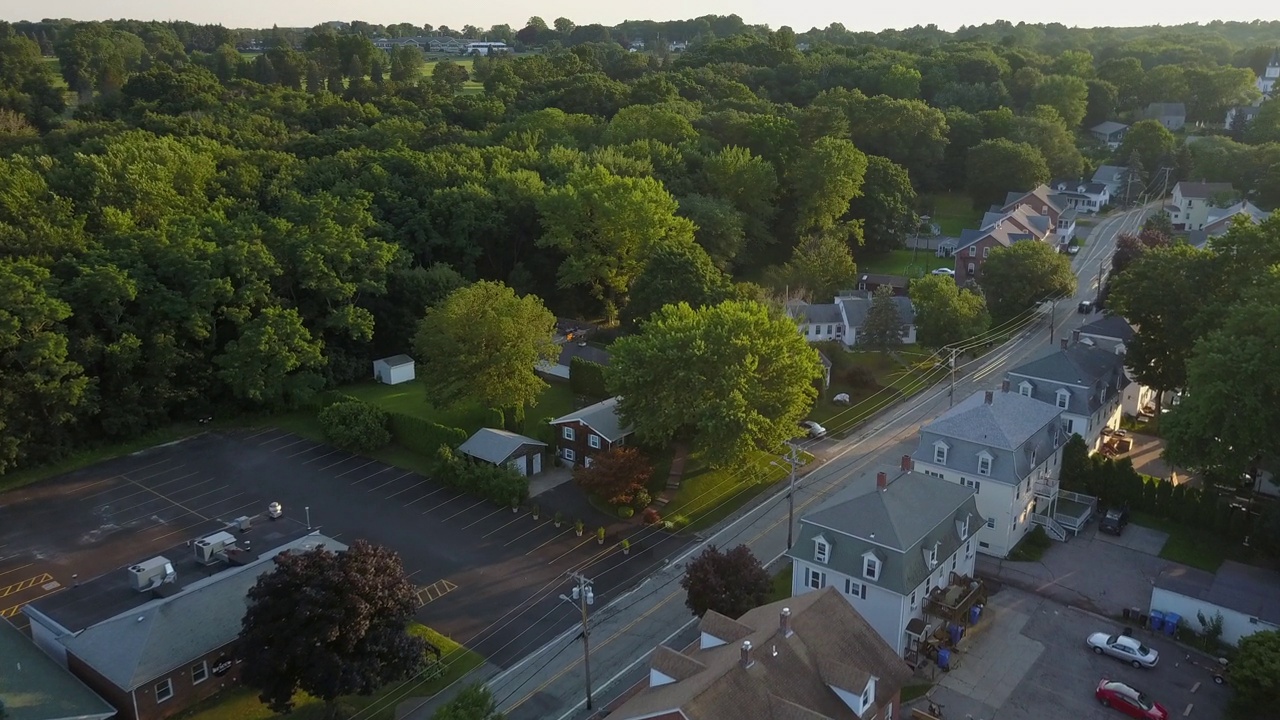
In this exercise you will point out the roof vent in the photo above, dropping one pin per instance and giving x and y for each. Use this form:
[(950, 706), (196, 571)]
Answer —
[(151, 574), (746, 660)]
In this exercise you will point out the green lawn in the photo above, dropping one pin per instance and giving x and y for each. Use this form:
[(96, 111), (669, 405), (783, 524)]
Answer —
[(470, 86), (242, 703), (781, 589), (708, 495), (411, 399), (893, 380), (1192, 546), (903, 263), (953, 212)]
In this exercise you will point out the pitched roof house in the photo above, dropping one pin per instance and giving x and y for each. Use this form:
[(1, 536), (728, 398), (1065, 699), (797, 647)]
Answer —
[(1110, 133), (1171, 115), (1192, 202), (1084, 381), (1219, 220), (1043, 200), (590, 431), (1247, 597), (1085, 196), (1000, 228), (1113, 176), (886, 550), (500, 447), (843, 318), (810, 657)]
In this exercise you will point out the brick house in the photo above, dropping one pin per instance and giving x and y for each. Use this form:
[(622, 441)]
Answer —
[(590, 431), (157, 638), (1044, 201)]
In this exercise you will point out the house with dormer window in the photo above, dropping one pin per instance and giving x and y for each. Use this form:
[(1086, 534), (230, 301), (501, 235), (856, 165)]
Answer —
[(1006, 447), (887, 550), (1085, 196), (1084, 381)]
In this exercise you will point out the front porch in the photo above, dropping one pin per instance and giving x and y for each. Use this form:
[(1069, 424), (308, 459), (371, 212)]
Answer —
[(1062, 513)]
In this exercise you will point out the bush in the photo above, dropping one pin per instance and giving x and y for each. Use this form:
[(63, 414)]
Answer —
[(355, 426), (856, 376), (587, 378), (496, 483), (616, 475), (651, 516), (641, 499), (422, 436), (626, 511)]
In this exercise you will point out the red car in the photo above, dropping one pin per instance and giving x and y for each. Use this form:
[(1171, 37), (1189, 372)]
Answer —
[(1129, 701)]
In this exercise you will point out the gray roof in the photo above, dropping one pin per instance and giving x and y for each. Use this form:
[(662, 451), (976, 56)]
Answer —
[(1108, 127), (601, 417), (1008, 422), (1159, 110), (820, 313), (1090, 375), (1072, 187), (33, 686), (856, 308), (896, 281), (1107, 174), (572, 349), (495, 446), (912, 514), (1244, 588), (1041, 192), (397, 360), (1204, 190), (1109, 326), (148, 642)]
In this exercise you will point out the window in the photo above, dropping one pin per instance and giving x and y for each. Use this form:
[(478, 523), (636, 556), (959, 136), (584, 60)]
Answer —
[(991, 523), (199, 673), (569, 455), (973, 251), (933, 556), (1063, 398), (953, 563), (830, 329), (986, 252), (821, 551), (164, 690), (913, 599), (984, 464), (853, 588), (870, 567), (1024, 389), (1069, 424), (984, 545), (940, 453), (567, 433), (815, 579), (866, 697), (931, 473), (976, 485), (594, 441), (968, 549), (970, 268)]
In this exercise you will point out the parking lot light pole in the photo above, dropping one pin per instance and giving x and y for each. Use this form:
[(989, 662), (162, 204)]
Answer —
[(582, 596)]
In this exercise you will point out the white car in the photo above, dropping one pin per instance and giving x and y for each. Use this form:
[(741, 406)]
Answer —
[(813, 429), (945, 271), (1124, 647)]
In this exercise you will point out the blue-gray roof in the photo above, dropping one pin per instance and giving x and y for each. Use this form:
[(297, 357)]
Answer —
[(1246, 589), (856, 308), (495, 446), (1090, 375), (1109, 127), (601, 417), (1018, 432), (819, 313), (1109, 326), (33, 686)]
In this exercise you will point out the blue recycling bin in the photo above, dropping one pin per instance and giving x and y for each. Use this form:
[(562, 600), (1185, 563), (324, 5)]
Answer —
[(1157, 620), (955, 632), (944, 659), (975, 612), (1171, 623)]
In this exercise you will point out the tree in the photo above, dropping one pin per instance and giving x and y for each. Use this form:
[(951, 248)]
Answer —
[(995, 167), (886, 206), (746, 386), (882, 328), (821, 265), (450, 75), (1103, 98), (355, 425), (475, 702), (1075, 464), (676, 272), (482, 344), (329, 624), (1255, 674), (824, 181), (615, 475), (1151, 142), (1023, 275), (1066, 94), (719, 227), (406, 64), (946, 313), (730, 583)]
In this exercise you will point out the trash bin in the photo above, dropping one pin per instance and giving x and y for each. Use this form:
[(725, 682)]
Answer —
[(1157, 620), (1171, 623), (975, 612), (1127, 614), (944, 658), (955, 632)]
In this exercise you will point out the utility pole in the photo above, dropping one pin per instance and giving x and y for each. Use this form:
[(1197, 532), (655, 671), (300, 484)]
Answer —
[(1053, 318), (583, 596), (1101, 281), (951, 394), (792, 459)]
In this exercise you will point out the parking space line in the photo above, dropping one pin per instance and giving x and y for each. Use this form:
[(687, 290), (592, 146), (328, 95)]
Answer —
[(318, 446), (424, 497), (434, 591), (526, 532), (348, 457), (263, 431), (21, 585), (143, 491), (277, 438), (391, 481), (459, 496), (556, 559), (406, 489), (466, 509), (6, 572), (285, 447), (542, 544), (366, 477), (486, 517), (512, 520), (164, 497), (11, 611), (308, 462), (122, 476)]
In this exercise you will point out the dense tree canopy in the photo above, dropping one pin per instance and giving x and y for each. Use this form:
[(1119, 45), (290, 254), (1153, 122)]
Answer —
[(1023, 275), (945, 312)]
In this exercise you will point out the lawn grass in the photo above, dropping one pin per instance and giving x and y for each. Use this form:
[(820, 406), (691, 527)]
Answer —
[(241, 703), (1031, 547), (1191, 546), (893, 380), (902, 263), (915, 690), (953, 213), (781, 588), (708, 495), (410, 398)]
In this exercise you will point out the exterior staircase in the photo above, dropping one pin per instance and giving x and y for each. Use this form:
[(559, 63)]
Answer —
[(1052, 527)]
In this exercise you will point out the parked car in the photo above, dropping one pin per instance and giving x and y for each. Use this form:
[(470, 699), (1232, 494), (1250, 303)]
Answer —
[(945, 271), (1086, 307), (1114, 520), (1124, 647), (1129, 701), (813, 429)]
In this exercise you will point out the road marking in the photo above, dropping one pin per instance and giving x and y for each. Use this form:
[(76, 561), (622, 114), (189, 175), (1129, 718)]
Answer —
[(12, 611), (434, 591), (366, 477), (21, 585), (286, 447), (486, 517), (261, 432), (1195, 687), (164, 497), (6, 572), (346, 472), (306, 450), (308, 462), (424, 497), (390, 481), (1187, 712), (480, 502)]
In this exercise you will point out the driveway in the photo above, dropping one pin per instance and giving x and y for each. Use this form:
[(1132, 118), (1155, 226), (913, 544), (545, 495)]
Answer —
[(1027, 660)]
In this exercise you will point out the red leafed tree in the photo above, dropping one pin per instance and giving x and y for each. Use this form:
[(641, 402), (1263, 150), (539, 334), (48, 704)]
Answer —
[(730, 583), (615, 475)]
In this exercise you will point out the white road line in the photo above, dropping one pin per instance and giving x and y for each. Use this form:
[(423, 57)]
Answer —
[(310, 449), (391, 481), (486, 517), (348, 472), (372, 474), (348, 457), (285, 447), (416, 484), (308, 462), (466, 509)]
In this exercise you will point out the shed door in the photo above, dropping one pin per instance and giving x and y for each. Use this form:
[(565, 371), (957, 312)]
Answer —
[(537, 463)]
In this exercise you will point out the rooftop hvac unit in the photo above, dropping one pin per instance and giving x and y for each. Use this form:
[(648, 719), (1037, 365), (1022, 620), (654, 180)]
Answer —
[(210, 549), (151, 574), (243, 523)]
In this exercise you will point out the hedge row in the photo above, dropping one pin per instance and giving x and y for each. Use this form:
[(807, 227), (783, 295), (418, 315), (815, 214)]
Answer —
[(587, 378), (497, 483), (424, 437)]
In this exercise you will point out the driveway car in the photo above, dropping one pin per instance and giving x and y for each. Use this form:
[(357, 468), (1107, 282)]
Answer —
[(813, 429), (1129, 701), (945, 271), (1085, 308), (1124, 647), (1113, 521)]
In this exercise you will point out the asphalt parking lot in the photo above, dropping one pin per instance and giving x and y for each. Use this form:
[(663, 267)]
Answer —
[(486, 576), (1029, 661)]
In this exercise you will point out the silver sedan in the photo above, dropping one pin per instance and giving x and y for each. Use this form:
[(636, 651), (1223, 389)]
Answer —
[(1124, 647)]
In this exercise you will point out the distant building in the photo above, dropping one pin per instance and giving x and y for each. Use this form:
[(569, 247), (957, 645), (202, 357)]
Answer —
[(1084, 195), (841, 320), (1171, 115), (1219, 220), (1109, 133), (585, 433), (1246, 113), (1113, 177), (1266, 82), (1247, 597), (1192, 202)]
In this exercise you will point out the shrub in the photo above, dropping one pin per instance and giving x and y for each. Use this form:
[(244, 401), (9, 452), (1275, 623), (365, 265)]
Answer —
[(354, 425), (641, 499), (587, 378), (857, 376), (422, 436), (626, 511), (615, 476), (651, 516), (496, 483)]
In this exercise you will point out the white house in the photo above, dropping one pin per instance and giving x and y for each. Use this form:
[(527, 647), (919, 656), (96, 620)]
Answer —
[(1266, 82), (1192, 202), (499, 447), (1246, 597), (1219, 221), (887, 550), (1113, 176), (1082, 380), (1085, 196), (1114, 333), (393, 370), (1008, 448), (842, 319)]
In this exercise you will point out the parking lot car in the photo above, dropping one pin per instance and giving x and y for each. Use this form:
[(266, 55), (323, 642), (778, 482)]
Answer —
[(1124, 647), (1129, 701), (1114, 520), (813, 429), (945, 271)]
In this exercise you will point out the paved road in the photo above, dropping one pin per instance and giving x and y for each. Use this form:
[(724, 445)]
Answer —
[(549, 683)]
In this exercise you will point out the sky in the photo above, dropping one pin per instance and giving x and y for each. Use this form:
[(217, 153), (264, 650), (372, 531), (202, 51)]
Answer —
[(799, 14)]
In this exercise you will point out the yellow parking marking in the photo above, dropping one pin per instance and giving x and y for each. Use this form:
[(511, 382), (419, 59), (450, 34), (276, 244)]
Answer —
[(434, 591), (25, 584)]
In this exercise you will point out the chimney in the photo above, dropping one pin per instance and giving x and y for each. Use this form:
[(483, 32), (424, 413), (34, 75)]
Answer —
[(746, 661), (1075, 336), (784, 622), (882, 480), (908, 464), (989, 397), (1064, 343), (1004, 385)]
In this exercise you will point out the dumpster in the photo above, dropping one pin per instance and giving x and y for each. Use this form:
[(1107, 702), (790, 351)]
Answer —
[(1171, 623), (975, 612), (1157, 620), (955, 632), (944, 658)]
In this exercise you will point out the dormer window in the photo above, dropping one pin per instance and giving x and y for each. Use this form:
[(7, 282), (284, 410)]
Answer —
[(1024, 388), (940, 453), (821, 551), (984, 463), (870, 566), (963, 528), (1064, 398)]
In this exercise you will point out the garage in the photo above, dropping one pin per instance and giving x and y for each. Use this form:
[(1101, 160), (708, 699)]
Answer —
[(500, 447)]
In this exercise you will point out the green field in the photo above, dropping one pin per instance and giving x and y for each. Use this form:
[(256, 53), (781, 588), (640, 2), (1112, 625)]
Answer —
[(708, 495), (953, 212), (896, 374), (1193, 546), (905, 263)]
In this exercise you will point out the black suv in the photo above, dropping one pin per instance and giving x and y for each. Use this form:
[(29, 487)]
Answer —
[(1114, 520)]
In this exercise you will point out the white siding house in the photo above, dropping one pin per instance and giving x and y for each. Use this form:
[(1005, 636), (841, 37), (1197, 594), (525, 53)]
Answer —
[(393, 370), (1086, 382), (1247, 597), (842, 319)]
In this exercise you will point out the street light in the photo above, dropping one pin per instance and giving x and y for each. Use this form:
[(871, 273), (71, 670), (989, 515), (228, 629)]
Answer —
[(582, 595)]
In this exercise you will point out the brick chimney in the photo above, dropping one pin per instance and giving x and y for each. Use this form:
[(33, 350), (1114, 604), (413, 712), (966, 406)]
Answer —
[(908, 464), (1004, 385), (882, 480), (990, 396), (784, 622), (746, 660), (1064, 342), (1075, 336)]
